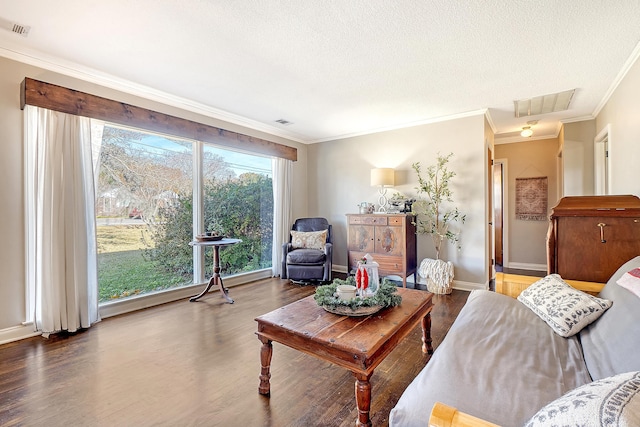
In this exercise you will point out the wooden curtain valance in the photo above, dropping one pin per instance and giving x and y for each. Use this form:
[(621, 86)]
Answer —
[(58, 98)]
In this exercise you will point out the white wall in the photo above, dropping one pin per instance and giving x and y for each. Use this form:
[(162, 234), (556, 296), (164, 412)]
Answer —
[(577, 156), (12, 259), (622, 112), (330, 178), (12, 264), (339, 178)]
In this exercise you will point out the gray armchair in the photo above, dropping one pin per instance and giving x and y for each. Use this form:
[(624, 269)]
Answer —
[(302, 262)]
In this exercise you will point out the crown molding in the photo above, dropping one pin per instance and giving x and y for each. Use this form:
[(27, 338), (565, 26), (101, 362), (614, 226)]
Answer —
[(635, 54), (513, 139), (487, 115), (403, 126), (112, 82), (103, 79), (578, 119)]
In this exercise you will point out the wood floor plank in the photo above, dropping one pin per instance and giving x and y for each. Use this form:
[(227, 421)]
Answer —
[(193, 364)]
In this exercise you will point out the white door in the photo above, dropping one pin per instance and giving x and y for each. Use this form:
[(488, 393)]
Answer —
[(600, 163)]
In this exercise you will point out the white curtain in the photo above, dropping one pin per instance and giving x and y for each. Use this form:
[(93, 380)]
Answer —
[(62, 278), (282, 213)]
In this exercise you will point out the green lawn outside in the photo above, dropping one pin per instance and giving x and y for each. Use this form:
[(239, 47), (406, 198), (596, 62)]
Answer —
[(126, 273), (122, 270)]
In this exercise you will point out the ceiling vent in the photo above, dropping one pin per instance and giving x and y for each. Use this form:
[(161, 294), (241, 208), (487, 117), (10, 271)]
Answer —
[(14, 27), (284, 122), (544, 104)]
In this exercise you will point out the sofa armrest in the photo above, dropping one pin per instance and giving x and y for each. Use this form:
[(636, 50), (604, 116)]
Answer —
[(447, 416), (513, 284)]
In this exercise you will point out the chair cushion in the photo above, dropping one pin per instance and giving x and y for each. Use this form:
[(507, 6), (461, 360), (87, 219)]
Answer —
[(306, 256), (308, 239)]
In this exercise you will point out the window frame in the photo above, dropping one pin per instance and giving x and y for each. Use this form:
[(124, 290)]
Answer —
[(58, 98)]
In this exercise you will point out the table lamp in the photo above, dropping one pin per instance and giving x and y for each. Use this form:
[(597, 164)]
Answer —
[(382, 177)]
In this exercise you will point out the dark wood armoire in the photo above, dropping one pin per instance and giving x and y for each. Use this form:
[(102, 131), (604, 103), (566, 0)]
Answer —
[(590, 237)]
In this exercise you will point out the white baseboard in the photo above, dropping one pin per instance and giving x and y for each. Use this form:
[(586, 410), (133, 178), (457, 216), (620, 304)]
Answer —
[(114, 308), (343, 269), (527, 266), (339, 268), (469, 286), (16, 333), (139, 302), (457, 284), (460, 285)]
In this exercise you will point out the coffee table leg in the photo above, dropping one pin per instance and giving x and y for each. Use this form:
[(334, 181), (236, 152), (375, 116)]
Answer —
[(426, 334), (363, 399), (265, 361)]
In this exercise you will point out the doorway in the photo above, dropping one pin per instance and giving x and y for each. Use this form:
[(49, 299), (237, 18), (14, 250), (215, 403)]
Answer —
[(601, 145), (498, 208), (500, 214), (490, 249)]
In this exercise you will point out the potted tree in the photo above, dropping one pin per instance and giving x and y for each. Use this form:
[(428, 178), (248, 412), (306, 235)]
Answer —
[(434, 217)]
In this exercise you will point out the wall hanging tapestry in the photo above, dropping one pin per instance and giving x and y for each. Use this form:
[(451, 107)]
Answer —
[(531, 199)]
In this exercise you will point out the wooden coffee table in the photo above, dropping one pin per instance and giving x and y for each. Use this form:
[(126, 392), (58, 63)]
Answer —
[(358, 344)]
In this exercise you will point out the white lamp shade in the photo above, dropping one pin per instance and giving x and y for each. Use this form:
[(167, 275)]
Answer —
[(384, 177)]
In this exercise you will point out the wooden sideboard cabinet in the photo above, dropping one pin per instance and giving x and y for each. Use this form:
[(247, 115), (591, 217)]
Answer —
[(389, 238), (590, 237)]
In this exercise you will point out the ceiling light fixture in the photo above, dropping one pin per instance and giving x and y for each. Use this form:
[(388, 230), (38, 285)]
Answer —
[(526, 132)]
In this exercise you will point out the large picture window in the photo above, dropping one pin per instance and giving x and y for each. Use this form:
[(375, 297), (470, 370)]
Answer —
[(145, 210), (127, 188)]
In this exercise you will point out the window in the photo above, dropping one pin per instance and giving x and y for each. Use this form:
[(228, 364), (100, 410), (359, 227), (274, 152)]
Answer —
[(55, 205), (145, 210)]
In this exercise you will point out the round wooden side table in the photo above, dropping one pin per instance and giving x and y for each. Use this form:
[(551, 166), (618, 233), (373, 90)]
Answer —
[(215, 279)]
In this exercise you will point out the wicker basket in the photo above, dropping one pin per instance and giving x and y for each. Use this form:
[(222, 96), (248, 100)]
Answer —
[(344, 310)]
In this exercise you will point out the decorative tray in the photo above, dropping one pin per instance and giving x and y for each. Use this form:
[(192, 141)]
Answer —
[(348, 311), (204, 238), (385, 296)]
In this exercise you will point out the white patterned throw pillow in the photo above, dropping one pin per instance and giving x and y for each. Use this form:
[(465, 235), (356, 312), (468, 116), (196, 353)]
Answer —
[(308, 239), (565, 309), (612, 401)]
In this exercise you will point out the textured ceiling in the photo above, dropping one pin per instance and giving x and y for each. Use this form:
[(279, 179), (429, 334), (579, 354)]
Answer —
[(337, 68)]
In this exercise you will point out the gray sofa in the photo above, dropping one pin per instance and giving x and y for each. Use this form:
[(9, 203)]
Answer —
[(501, 363)]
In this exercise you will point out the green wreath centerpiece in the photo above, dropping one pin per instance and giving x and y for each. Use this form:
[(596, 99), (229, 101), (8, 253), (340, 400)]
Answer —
[(386, 296)]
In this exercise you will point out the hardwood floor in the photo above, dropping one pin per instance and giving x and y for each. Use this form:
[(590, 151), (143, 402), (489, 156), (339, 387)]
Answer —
[(197, 364)]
